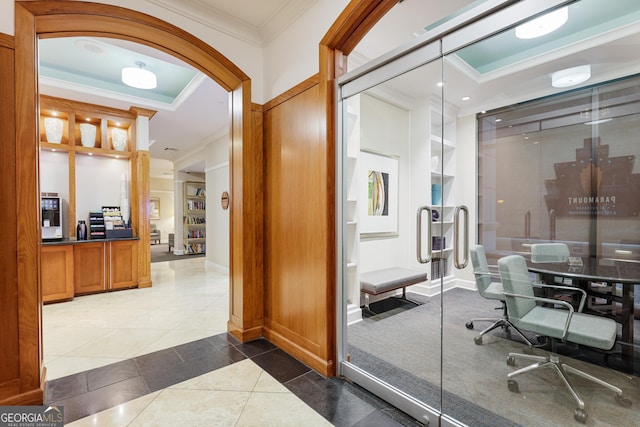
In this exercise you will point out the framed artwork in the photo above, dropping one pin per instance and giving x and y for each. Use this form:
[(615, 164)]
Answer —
[(378, 194), (154, 212)]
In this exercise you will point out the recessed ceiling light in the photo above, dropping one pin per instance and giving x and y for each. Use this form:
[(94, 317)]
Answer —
[(138, 77), (543, 25), (440, 84), (571, 76), (466, 98), (89, 46)]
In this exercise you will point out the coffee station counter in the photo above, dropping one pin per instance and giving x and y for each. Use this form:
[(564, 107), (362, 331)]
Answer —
[(79, 267), (73, 241)]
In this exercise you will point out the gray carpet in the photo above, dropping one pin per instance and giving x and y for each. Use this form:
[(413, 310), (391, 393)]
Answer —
[(160, 253), (403, 350)]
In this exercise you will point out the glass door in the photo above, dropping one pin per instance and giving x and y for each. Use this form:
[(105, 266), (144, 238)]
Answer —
[(392, 136), (480, 138)]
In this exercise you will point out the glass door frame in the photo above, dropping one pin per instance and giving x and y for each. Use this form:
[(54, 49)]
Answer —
[(471, 26)]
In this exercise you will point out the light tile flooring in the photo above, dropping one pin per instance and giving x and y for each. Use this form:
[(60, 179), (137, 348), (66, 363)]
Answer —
[(187, 302), (241, 394)]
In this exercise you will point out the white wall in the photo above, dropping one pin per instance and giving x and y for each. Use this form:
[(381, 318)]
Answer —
[(163, 190), (98, 183), (385, 129), (217, 179), (292, 57), (6, 17)]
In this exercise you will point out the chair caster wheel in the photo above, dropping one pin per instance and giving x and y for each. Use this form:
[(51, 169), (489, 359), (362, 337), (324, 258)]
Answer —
[(513, 386), (469, 325), (623, 401), (580, 415), (478, 340), (511, 361)]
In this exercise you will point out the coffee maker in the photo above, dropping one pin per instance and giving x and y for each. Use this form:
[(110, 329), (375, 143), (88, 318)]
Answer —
[(51, 216)]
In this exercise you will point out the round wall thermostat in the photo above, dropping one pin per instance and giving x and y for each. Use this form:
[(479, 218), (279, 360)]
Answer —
[(224, 200)]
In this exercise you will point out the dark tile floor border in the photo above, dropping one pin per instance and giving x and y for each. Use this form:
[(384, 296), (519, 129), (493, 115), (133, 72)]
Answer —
[(341, 403)]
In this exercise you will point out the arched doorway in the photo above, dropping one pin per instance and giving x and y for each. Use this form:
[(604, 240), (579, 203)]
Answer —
[(56, 19)]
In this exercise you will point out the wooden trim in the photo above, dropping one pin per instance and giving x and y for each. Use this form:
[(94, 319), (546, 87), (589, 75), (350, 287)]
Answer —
[(296, 90), (7, 41), (354, 23), (141, 178), (9, 349), (28, 398), (27, 206), (320, 364), (65, 18), (56, 18), (52, 102)]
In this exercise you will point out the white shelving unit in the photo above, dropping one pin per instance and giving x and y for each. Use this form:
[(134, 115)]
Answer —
[(352, 230), (444, 174), (195, 215)]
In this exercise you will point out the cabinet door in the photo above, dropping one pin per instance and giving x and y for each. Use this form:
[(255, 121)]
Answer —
[(123, 260), (89, 272), (57, 273)]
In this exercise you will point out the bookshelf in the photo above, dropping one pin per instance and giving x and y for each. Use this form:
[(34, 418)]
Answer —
[(195, 217)]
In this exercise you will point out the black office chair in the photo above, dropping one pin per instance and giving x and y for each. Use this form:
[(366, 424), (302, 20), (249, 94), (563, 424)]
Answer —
[(491, 290), (565, 325)]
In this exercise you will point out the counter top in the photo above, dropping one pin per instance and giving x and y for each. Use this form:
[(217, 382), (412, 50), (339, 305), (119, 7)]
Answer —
[(73, 242)]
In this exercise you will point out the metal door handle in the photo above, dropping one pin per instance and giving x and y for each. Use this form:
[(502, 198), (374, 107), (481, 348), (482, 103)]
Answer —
[(456, 233), (419, 236)]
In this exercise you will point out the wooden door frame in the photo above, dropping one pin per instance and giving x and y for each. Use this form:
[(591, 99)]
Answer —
[(34, 19)]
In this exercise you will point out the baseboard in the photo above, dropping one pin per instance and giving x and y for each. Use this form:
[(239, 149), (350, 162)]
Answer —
[(30, 398), (354, 314), (321, 366), (217, 267)]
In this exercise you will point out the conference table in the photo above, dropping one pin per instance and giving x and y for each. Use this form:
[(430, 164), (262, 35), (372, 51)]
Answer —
[(611, 273)]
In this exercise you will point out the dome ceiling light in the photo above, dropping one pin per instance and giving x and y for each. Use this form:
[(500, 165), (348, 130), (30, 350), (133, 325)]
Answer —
[(543, 25), (138, 77), (571, 76)]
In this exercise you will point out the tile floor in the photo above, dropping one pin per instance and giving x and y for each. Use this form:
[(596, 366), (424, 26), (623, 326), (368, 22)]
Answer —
[(161, 357)]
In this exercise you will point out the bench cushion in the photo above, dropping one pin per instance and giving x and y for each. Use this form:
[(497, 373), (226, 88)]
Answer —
[(388, 279)]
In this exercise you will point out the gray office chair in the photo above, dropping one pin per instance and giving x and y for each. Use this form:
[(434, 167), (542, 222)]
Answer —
[(550, 252), (491, 290), (564, 325)]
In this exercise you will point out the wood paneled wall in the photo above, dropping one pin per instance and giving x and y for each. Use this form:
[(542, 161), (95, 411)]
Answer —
[(299, 274), (9, 336)]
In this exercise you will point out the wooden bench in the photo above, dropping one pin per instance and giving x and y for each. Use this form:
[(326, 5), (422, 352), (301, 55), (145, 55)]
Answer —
[(389, 279)]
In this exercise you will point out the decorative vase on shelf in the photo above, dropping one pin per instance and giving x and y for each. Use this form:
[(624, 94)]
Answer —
[(119, 139), (53, 129), (88, 135), (436, 194)]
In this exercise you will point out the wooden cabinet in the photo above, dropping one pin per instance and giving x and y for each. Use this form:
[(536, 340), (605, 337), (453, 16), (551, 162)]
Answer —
[(57, 264), (123, 264), (89, 267)]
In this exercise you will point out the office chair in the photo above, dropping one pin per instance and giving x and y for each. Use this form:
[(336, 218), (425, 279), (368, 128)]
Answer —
[(550, 252), (564, 325), (490, 290)]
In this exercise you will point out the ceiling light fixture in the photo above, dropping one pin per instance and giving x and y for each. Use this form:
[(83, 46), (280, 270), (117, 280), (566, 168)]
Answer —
[(138, 77), (571, 76), (543, 25)]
